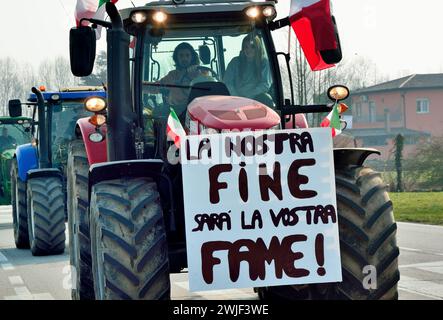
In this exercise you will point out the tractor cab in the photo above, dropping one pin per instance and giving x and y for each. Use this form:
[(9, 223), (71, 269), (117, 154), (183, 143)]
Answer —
[(215, 68), (193, 57), (14, 131)]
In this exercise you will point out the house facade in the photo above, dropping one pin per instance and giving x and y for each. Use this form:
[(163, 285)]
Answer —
[(411, 106)]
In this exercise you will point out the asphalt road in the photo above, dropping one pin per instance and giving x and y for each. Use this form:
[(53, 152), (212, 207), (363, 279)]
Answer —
[(23, 276)]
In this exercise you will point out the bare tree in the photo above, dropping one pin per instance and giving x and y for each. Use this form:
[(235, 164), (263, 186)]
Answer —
[(62, 74), (45, 74), (17, 79), (10, 84), (56, 74)]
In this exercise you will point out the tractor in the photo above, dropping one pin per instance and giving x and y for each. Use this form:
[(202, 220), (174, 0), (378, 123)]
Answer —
[(38, 169), (14, 131), (126, 193)]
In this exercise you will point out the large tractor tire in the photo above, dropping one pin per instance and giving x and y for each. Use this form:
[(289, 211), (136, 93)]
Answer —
[(19, 214), (46, 216), (78, 222), (367, 238), (129, 245)]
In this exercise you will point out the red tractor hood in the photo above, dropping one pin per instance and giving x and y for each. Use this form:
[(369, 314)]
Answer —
[(232, 113)]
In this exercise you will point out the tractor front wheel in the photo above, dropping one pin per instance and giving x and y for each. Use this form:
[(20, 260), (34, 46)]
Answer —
[(19, 214), (369, 252), (46, 216), (129, 245)]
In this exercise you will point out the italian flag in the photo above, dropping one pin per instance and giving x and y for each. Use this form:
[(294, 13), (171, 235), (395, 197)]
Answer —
[(91, 9), (312, 23), (174, 129), (333, 121)]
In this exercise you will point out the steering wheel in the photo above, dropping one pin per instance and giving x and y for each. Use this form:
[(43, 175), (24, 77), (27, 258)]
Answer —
[(207, 69)]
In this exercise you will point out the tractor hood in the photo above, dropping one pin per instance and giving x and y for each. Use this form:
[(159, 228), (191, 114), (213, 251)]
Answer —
[(232, 113)]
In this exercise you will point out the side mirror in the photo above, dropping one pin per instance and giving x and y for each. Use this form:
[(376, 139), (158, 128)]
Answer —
[(15, 108), (205, 54), (333, 56), (82, 49)]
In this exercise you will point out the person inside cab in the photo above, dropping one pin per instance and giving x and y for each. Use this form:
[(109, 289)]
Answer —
[(6, 141), (248, 75), (177, 83)]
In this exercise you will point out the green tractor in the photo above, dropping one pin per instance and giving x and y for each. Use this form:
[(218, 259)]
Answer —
[(14, 131)]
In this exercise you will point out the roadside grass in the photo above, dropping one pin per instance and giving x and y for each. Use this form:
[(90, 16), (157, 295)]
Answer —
[(420, 207)]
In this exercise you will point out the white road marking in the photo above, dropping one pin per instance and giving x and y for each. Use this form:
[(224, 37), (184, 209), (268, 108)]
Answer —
[(16, 280), (423, 265), (436, 269), (22, 291), (421, 251), (7, 266), (427, 288)]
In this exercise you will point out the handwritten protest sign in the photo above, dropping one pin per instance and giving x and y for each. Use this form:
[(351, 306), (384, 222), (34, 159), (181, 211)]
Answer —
[(260, 209)]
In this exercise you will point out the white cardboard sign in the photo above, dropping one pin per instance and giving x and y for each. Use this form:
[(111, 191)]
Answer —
[(260, 209)]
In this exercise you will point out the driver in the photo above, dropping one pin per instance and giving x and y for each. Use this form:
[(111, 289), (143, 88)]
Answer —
[(6, 141), (186, 64)]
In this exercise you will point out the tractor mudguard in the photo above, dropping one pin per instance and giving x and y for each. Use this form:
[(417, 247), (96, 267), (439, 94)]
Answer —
[(352, 156), (27, 159), (95, 151), (122, 169), (45, 173)]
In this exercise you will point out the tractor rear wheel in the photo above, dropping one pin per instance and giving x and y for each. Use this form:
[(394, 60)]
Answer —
[(129, 245), (19, 214), (46, 216), (367, 240), (78, 222)]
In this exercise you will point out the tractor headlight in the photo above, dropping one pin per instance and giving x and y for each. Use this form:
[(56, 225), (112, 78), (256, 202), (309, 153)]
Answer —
[(253, 12), (159, 17), (139, 17), (269, 12), (55, 97), (95, 104)]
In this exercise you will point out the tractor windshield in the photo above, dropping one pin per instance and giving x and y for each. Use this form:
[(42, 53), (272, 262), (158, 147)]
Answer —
[(236, 56), (64, 119), (13, 135)]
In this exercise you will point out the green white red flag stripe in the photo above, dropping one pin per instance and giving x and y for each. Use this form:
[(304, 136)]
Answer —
[(88, 9), (333, 121), (312, 23), (174, 129)]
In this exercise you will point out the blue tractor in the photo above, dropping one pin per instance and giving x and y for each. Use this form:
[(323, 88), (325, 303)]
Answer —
[(38, 171)]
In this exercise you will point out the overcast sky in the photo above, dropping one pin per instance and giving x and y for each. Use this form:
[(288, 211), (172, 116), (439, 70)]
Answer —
[(398, 35)]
